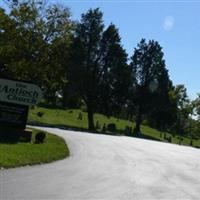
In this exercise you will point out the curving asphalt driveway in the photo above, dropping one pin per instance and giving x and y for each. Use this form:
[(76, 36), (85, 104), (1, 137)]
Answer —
[(108, 167)]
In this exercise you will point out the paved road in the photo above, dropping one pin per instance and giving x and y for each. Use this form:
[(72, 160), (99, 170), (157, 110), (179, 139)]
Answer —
[(108, 167)]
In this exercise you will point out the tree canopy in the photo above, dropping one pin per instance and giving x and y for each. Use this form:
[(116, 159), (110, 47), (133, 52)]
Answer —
[(83, 63)]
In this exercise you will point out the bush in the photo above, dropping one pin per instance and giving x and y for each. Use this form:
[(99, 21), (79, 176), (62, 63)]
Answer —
[(128, 131), (169, 139), (111, 127), (39, 137), (179, 139), (145, 122), (40, 114)]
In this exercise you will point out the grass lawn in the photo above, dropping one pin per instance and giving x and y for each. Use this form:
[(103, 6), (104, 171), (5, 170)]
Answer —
[(69, 118), (20, 154), (60, 117)]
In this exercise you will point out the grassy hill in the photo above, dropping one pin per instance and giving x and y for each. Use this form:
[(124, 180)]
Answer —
[(22, 153), (70, 118)]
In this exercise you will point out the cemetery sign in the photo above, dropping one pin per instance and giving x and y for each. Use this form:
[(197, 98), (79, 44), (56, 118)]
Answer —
[(15, 99), (18, 92)]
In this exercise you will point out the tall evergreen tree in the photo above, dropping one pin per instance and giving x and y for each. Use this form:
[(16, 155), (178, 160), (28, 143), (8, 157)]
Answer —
[(161, 115), (115, 80), (86, 59), (99, 66), (150, 77)]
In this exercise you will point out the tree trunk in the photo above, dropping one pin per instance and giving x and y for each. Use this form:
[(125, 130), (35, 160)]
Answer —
[(64, 99), (90, 118), (138, 122)]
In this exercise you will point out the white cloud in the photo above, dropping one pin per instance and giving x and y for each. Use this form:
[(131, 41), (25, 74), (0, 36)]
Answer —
[(168, 23)]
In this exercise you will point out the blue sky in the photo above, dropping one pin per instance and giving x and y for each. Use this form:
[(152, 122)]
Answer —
[(174, 24)]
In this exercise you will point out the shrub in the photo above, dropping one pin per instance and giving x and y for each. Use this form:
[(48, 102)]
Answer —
[(145, 122), (39, 137), (169, 139), (40, 114), (179, 139), (128, 131), (111, 127)]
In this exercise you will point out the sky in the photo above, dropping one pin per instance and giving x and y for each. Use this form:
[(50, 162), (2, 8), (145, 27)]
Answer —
[(174, 24)]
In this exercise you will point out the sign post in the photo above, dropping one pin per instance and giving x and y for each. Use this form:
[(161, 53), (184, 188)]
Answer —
[(15, 99)]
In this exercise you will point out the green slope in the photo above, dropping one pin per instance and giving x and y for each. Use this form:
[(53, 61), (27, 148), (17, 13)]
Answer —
[(20, 154), (69, 118)]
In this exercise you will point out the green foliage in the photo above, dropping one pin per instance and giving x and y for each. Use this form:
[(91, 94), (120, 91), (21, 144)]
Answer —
[(196, 106), (151, 81), (111, 127), (128, 131), (100, 69), (85, 59), (115, 74), (184, 110), (40, 137), (35, 45), (84, 64)]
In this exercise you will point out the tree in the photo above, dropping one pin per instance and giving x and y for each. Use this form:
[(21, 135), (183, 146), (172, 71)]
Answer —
[(36, 44), (58, 32), (24, 39), (150, 76), (5, 49), (196, 106), (161, 115), (115, 79), (99, 66), (184, 109), (86, 59)]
